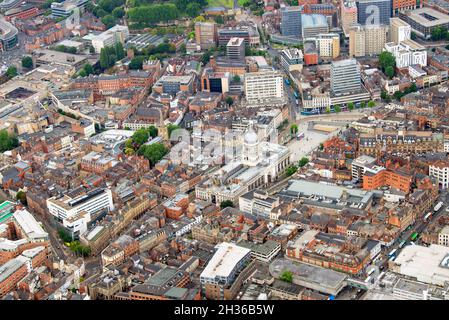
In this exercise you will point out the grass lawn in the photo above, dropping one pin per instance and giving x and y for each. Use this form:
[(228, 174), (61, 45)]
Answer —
[(223, 3)]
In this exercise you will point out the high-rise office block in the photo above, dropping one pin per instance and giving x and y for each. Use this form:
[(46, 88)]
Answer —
[(291, 21), (367, 40), (206, 34), (345, 77), (348, 11), (235, 49), (373, 12), (399, 30), (264, 87)]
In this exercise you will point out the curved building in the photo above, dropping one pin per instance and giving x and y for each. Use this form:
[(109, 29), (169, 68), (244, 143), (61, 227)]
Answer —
[(9, 4), (8, 35)]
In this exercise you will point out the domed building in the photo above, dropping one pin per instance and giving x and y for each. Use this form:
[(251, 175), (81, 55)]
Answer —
[(250, 149)]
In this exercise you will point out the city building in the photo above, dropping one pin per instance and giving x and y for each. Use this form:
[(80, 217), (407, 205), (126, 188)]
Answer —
[(424, 20), (173, 84), (292, 59), (244, 30), (440, 171), (399, 30), (66, 8), (23, 12), (8, 35), (258, 202), (291, 21), (373, 12), (110, 37), (403, 5), (235, 49), (313, 24), (407, 53), (9, 4), (264, 88), (345, 77), (206, 34), (367, 40), (348, 11), (328, 45)]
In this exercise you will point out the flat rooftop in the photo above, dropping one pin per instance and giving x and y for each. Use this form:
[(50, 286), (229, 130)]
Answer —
[(428, 17)]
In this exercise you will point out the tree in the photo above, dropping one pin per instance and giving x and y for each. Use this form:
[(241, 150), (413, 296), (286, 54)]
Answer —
[(321, 146), (337, 108), (140, 136), (362, 104), (226, 203), (63, 234), (118, 12), (351, 105), (153, 152), (389, 72), (21, 196), (236, 78), (104, 59), (88, 69), (328, 109), (119, 51), (371, 104), (108, 21), (386, 59), (303, 162), (7, 141), (11, 72), (193, 9), (229, 101), (291, 170), (27, 62), (136, 63), (294, 129), (287, 276), (152, 130)]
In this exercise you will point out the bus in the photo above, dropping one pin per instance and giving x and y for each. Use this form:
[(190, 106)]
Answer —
[(402, 244), (295, 94), (414, 236), (371, 271), (391, 258), (368, 279), (287, 82), (438, 206), (426, 217), (300, 135), (392, 252), (380, 275)]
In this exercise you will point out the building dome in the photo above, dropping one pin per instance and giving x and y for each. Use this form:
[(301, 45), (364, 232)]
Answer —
[(250, 136)]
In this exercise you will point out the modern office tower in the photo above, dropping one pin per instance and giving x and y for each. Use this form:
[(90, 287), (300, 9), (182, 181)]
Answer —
[(292, 59), (235, 49), (65, 9), (313, 24), (328, 45), (348, 15), (110, 37), (206, 34), (367, 40), (373, 12), (345, 77), (402, 5), (264, 87), (291, 21), (399, 30)]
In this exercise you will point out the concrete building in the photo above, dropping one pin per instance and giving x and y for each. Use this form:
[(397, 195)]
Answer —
[(375, 12), (235, 49), (348, 11), (292, 59), (345, 77), (429, 265), (359, 166), (367, 40), (403, 5), (328, 45), (110, 38), (263, 88), (313, 24), (424, 20), (440, 170), (291, 21), (206, 34), (258, 202), (443, 236), (399, 30), (408, 53), (65, 8), (8, 35)]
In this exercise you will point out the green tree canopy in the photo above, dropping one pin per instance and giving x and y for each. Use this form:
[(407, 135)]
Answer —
[(229, 101), (153, 152), (351, 105), (136, 62), (11, 72), (291, 170), (303, 162), (226, 203), (337, 108), (371, 104), (27, 62), (7, 141), (287, 276), (171, 128), (386, 59), (389, 72), (294, 128)]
